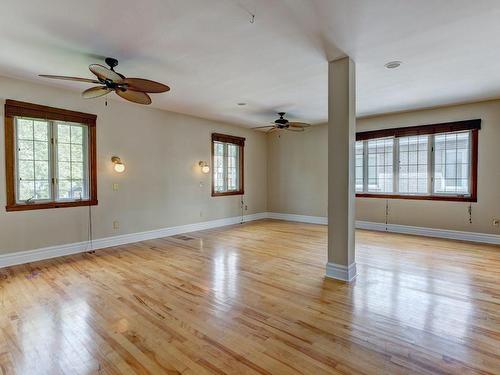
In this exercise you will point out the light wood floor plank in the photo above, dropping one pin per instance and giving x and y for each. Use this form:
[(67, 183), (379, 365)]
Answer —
[(252, 299)]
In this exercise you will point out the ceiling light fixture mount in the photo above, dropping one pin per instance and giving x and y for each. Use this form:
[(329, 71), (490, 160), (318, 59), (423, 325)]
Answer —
[(393, 64)]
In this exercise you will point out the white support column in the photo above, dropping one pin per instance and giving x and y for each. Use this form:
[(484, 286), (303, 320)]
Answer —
[(341, 195)]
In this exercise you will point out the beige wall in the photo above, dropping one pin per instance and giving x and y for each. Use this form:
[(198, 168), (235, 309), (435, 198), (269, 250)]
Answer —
[(161, 185), (297, 173), (284, 172)]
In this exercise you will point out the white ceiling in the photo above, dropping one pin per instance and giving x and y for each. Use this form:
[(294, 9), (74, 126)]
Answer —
[(213, 57)]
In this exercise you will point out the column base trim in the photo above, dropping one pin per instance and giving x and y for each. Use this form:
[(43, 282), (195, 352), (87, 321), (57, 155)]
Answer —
[(341, 272)]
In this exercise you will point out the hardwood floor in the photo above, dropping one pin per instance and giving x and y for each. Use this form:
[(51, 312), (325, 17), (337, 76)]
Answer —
[(252, 299)]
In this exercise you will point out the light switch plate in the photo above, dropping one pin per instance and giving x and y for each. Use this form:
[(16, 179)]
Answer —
[(115, 187)]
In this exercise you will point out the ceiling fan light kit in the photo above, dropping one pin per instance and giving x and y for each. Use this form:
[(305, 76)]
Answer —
[(132, 89), (283, 124)]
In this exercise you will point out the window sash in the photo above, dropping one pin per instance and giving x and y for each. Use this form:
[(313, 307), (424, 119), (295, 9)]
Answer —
[(53, 162), (430, 190), (227, 164), (34, 159), (413, 164), (222, 183), (85, 161), (380, 156)]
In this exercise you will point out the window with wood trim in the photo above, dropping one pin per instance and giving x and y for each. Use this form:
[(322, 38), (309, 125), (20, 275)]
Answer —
[(227, 165), (436, 162), (50, 157)]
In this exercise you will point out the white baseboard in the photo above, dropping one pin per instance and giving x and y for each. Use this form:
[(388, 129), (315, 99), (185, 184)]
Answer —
[(431, 232), (28, 256), (299, 218), (396, 228), (341, 272)]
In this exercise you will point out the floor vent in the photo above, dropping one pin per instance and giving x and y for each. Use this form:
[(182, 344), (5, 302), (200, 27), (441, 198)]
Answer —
[(182, 237)]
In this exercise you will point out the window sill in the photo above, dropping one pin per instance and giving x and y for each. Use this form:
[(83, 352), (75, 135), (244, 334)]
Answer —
[(43, 206), (450, 198), (227, 193)]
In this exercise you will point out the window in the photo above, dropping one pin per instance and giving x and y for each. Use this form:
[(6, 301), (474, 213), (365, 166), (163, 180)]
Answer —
[(50, 156), (380, 163), (227, 165), (360, 166), (424, 162), (413, 167), (452, 163)]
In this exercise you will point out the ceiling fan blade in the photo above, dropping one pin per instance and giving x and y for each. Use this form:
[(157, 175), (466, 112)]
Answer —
[(66, 78), (145, 85), (271, 130), (299, 124), (95, 92), (104, 73), (134, 96), (295, 129), (263, 127)]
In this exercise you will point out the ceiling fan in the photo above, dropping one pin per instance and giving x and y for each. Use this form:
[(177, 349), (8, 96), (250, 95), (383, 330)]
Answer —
[(132, 89), (283, 124)]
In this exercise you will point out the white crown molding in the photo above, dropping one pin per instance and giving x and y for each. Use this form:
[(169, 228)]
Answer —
[(397, 228), (28, 256), (341, 272)]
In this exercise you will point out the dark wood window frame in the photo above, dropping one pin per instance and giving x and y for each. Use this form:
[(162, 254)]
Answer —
[(14, 109), (240, 142), (472, 125)]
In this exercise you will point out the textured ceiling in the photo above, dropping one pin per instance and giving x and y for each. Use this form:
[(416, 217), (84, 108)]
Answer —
[(213, 57)]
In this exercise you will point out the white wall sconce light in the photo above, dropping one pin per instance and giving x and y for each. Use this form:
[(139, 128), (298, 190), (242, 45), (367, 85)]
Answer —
[(118, 165), (205, 168)]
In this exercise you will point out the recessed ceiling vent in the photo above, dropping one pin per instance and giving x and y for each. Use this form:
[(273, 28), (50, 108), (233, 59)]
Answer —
[(393, 64)]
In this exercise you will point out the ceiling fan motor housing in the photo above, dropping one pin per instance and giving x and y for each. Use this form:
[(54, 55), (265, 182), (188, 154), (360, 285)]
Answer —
[(111, 62), (281, 122)]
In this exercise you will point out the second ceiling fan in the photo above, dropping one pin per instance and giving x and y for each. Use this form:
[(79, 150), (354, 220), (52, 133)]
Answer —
[(283, 124), (132, 89)]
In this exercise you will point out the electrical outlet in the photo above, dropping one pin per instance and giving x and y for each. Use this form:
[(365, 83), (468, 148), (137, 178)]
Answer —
[(201, 213), (496, 222), (246, 207), (115, 187), (201, 184), (116, 224)]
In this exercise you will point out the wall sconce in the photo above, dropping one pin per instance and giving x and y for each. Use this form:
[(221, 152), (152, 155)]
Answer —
[(205, 168), (118, 165)]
